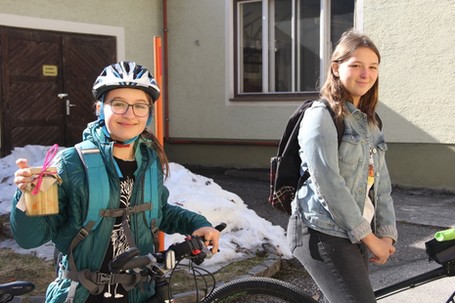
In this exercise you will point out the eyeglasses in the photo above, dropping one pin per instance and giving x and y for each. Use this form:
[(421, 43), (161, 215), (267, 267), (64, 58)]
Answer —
[(120, 107)]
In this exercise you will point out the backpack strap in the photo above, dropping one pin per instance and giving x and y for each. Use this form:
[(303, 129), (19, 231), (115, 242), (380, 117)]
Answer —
[(339, 125), (96, 173), (97, 208), (150, 196)]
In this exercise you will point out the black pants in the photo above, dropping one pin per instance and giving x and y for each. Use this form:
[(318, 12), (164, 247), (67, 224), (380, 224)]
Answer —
[(339, 268)]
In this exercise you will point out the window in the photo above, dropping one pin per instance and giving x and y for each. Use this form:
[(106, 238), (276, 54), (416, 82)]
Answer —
[(282, 46)]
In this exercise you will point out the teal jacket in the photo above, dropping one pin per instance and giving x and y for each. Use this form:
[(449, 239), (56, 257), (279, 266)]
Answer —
[(30, 232)]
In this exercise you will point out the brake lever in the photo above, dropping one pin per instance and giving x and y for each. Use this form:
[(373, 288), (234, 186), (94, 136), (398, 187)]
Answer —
[(220, 227), (192, 248), (205, 250)]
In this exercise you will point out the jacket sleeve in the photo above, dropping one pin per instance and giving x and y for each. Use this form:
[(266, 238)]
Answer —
[(29, 232), (33, 231), (385, 219), (179, 220)]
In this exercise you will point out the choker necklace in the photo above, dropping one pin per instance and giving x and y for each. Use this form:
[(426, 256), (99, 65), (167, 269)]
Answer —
[(122, 145)]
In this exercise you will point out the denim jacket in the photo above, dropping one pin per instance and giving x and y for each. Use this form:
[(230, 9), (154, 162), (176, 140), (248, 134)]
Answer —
[(332, 199)]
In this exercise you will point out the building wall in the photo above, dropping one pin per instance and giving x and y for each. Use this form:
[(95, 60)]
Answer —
[(416, 76), (416, 40), (199, 70), (134, 23)]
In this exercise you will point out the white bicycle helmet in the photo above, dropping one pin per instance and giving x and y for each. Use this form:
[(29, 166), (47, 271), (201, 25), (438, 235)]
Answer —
[(126, 74)]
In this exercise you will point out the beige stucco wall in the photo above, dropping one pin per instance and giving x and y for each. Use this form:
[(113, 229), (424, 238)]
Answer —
[(417, 42), (200, 66), (135, 23), (416, 39)]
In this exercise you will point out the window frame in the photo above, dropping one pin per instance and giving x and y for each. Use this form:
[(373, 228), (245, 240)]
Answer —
[(325, 50)]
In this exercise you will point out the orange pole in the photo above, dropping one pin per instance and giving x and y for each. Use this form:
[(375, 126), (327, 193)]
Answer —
[(158, 63), (159, 78)]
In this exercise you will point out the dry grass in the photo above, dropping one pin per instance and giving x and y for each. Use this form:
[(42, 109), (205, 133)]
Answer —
[(16, 267)]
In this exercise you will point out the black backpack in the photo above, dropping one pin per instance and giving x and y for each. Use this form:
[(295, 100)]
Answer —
[(285, 178)]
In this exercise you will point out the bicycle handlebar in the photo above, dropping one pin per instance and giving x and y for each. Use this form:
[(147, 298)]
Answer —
[(191, 248)]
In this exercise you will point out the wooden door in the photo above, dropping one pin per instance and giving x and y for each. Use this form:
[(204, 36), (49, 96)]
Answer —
[(31, 113), (84, 57), (37, 68)]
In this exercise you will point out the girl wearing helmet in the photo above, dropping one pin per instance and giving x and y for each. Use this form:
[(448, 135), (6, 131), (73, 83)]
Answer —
[(125, 93)]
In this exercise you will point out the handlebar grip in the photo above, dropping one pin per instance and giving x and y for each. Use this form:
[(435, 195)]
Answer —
[(137, 262), (118, 262), (445, 235)]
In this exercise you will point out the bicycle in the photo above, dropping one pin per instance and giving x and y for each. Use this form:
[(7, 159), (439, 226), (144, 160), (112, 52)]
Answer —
[(161, 268), (17, 288), (442, 253)]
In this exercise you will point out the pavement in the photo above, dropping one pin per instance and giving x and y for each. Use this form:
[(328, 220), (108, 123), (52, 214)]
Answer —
[(420, 213)]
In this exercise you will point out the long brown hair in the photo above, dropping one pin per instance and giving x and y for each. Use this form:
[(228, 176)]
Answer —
[(334, 91), (156, 145)]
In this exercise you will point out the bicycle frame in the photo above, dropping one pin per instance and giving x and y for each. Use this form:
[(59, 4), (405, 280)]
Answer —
[(443, 271)]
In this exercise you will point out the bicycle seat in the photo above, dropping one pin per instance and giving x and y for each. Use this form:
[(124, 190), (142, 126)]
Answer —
[(16, 288)]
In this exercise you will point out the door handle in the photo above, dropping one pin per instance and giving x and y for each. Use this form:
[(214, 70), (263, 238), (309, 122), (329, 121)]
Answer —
[(68, 106), (67, 101)]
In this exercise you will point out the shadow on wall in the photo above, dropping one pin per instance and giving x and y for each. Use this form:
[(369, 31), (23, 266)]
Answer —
[(422, 161)]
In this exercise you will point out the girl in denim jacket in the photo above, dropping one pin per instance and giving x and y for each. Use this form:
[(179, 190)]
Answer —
[(343, 217)]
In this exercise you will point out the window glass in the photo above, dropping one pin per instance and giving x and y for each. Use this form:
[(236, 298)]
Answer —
[(342, 16), (283, 54), (308, 49), (251, 46), (282, 47)]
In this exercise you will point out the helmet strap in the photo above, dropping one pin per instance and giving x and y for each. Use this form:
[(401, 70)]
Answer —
[(120, 145)]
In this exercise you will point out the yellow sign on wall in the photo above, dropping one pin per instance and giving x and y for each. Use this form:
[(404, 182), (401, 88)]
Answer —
[(50, 70)]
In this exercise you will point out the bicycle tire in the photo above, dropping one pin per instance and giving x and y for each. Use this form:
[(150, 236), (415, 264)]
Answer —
[(258, 289)]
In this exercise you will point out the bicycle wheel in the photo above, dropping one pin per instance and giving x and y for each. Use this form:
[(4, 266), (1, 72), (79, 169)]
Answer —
[(258, 289)]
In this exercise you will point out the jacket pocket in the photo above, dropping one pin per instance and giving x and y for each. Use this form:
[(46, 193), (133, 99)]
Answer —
[(382, 146), (350, 149)]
